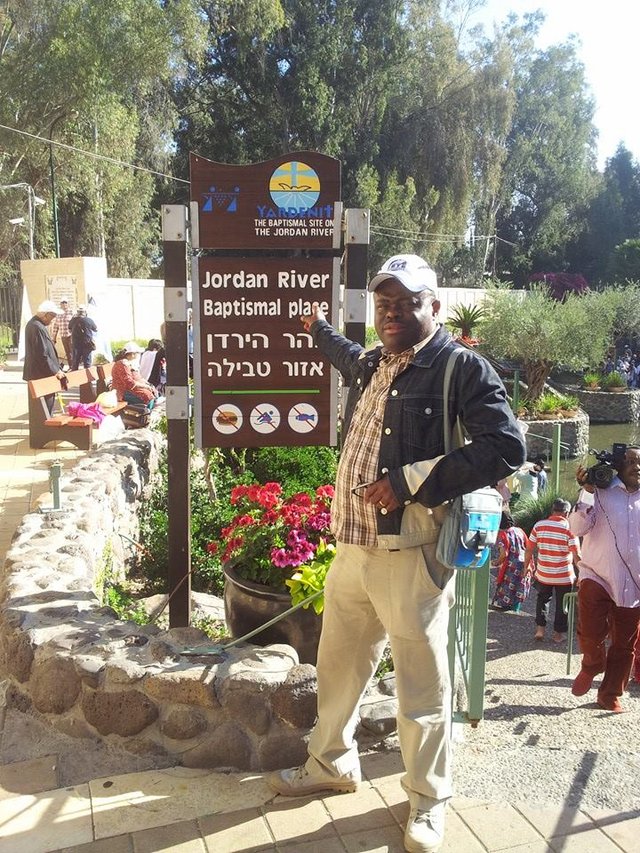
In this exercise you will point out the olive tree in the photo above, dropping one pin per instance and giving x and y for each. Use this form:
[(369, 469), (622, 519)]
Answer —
[(538, 332)]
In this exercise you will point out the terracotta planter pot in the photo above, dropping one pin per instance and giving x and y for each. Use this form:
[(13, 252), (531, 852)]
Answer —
[(617, 390), (247, 605)]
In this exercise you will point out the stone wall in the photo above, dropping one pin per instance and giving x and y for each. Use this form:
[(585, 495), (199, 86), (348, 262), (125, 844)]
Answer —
[(68, 659), (574, 436), (608, 407)]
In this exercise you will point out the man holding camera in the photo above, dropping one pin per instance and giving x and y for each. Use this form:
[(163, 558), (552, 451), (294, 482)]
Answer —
[(608, 517)]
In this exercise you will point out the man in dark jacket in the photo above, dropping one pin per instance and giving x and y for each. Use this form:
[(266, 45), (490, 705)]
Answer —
[(40, 356), (83, 331), (385, 580)]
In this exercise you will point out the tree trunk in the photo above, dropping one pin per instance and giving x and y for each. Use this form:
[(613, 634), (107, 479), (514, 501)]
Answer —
[(536, 374)]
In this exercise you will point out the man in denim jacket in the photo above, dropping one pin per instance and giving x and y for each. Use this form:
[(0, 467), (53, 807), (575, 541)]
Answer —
[(385, 581)]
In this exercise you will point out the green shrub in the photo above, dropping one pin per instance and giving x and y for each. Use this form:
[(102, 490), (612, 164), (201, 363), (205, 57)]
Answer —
[(527, 510), (548, 403), (591, 379), (615, 379), (297, 469)]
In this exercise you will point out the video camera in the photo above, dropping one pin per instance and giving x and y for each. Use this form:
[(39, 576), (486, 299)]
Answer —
[(602, 473)]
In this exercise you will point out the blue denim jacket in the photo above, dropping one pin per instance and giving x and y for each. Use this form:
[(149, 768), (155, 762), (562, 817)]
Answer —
[(412, 440)]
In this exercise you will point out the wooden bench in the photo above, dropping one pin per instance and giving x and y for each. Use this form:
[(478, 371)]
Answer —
[(98, 380), (44, 427)]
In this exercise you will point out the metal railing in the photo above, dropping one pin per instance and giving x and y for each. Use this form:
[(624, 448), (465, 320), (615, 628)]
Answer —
[(467, 648)]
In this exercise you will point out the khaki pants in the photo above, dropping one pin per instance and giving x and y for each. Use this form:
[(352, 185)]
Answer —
[(372, 593)]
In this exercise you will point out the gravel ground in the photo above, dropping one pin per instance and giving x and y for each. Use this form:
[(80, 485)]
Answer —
[(537, 741)]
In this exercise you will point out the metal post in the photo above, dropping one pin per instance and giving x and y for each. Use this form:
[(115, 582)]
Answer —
[(30, 195), (555, 457), (174, 235), (54, 201), (515, 397), (356, 250), (54, 482)]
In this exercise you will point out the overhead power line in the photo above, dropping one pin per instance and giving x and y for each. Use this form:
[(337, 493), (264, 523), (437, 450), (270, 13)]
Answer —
[(382, 230), (95, 156)]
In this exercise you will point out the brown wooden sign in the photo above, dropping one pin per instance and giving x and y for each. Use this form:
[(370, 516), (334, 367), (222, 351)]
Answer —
[(259, 379), (283, 203)]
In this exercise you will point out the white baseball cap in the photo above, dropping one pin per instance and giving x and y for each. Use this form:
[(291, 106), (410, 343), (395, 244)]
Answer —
[(132, 346), (413, 273), (49, 307)]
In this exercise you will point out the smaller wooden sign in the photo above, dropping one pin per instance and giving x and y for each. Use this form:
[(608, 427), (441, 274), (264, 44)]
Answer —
[(283, 203)]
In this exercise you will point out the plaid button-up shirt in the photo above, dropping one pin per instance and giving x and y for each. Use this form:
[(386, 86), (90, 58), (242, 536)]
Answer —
[(352, 520), (60, 325)]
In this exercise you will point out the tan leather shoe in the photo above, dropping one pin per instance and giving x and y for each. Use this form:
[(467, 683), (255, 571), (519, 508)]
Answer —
[(298, 782)]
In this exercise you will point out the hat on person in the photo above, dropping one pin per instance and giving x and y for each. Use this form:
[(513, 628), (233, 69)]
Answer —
[(81, 309), (64, 302), (413, 273), (132, 346), (48, 307)]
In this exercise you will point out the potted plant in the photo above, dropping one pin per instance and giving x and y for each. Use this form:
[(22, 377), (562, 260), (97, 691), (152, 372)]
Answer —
[(463, 319), (592, 381), (549, 406), (614, 381), (276, 553)]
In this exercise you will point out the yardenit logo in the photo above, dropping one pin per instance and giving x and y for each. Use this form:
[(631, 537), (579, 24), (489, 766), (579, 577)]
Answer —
[(294, 187)]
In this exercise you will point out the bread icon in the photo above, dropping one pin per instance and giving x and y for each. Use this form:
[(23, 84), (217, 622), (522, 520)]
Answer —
[(226, 418)]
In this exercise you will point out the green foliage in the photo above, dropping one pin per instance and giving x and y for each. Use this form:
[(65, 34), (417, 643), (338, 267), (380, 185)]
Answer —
[(538, 332), (591, 380), (549, 403), (623, 302), (298, 469), (386, 664), (624, 263), (371, 337), (125, 605), (615, 379), (528, 509), (310, 579), (464, 318), (216, 629)]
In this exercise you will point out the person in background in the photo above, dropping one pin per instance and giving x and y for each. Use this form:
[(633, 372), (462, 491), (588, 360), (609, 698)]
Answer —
[(60, 329), (539, 466), (153, 365), (127, 381), (502, 487), (609, 586), (83, 331), (525, 482), (557, 548), (513, 582), (385, 580), (148, 357), (40, 356)]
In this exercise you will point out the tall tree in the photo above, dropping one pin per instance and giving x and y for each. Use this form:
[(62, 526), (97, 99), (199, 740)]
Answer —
[(612, 218), (82, 72), (550, 169)]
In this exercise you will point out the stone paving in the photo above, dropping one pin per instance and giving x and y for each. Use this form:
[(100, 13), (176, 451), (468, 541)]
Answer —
[(199, 811)]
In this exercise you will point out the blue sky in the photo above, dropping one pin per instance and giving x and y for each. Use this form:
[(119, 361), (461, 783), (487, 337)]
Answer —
[(609, 35)]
